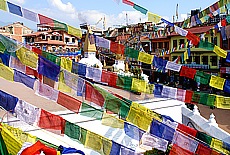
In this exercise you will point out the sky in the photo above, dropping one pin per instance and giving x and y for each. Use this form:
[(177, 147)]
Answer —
[(76, 12)]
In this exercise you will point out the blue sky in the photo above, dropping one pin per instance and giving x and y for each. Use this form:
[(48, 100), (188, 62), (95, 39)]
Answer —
[(74, 12)]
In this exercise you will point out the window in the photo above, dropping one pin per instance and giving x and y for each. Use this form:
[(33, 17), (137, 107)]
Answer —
[(57, 38), (175, 43), (205, 60), (60, 38), (43, 37), (73, 40), (181, 41), (197, 59), (66, 40), (160, 45), (52, 37), (154, 47), (206, 39), (225, 44), (166, 45), (214, 40), (189, 60), (53, 48), (213, 60)]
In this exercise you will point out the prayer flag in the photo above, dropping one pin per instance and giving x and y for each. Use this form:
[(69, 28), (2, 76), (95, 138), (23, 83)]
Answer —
[(138, 85), (180, 31), (3, 149), (202, 77), (128, 2), (204, 138), (48, 68), (177, 150), (93, 141), (132, 53), (218, 145), (133, 131), (117, 48), (169, 92), (187, 72), (203, 150), (222, 102), (220, 52), (30, 15), (66, 63), (27, 57), (23, 78), (69, 102), (173, 66), (74, 31), (6, 72), (61, 84), (154, 18), (217, 82), (90, 111), (193, 38), (4, 58), (186, 130), (45, 20), (3, 5), (145, 57), (181, 94), (70, 79), (15, 9), (47, 92), (112, 121), (102, 42), (48, 120), (141, 9)]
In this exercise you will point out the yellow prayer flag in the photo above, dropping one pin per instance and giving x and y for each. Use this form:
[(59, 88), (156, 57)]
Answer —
[(74, 31), (141, 116), (27, 57), (220, 52), (150, 88), (154, 18), (217, 82), (218, 145), (185, 55), (145, 57), (106, 146), (6, 72), (66, 63), (93, 141), (112, 121), (222, 102), (13, 145), (138, 85), (61, 84)]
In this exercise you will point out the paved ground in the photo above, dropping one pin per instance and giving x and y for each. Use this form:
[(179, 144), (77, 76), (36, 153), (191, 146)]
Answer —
[(21, 91)]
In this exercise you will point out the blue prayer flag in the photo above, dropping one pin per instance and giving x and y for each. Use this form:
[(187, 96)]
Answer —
[(30, 15), (5, 59), (7, 101), (227, 86), (48, 68), (69, 150), (133, 131), (141, 9), (158, 90), (81, 69), (115, 148), (167, 22), (15, 9), (23, 78)]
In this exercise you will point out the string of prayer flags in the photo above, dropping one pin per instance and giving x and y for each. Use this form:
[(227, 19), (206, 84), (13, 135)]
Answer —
[(51, 57), (3, 5), (154, 18), (6, 72), (128, 2), (15, 9), (27, 57), (69, 102), (141, 9), (30, 15), (112, 121), (145, 57), (218, 145), (30, 71), (90, 111), (50, 121), (217, 82)]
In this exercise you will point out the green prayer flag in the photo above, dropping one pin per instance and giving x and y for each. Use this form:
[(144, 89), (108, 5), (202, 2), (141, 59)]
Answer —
[(203, 98), (206, 45), (60, 26), (72, 130), (204, 137), (3, 5), (211, 100), (2, 48), (89, 111), (83, 135), (131, 53), (141, 9), (202, 77), (196, 97), (124, 110), (52, 57), (10, 45), (124, 82), (112, 103), (47, 143), (3, 149)]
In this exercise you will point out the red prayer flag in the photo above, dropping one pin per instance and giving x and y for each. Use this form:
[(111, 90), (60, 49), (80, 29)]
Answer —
[(30, 71), (128, 2), (45, 20), (105, 76), (176, 150), (188, 96), (113, 80), (69, 102), (51, 121), (203, 150), (193, 38), (37, 50), (93, 95), (186, 130), (117, 48), (187, 72), (224, 22)]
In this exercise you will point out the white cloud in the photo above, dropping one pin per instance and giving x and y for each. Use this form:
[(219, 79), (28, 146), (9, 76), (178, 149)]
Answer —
[(183, 16), (67, 8), (18, 1)]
